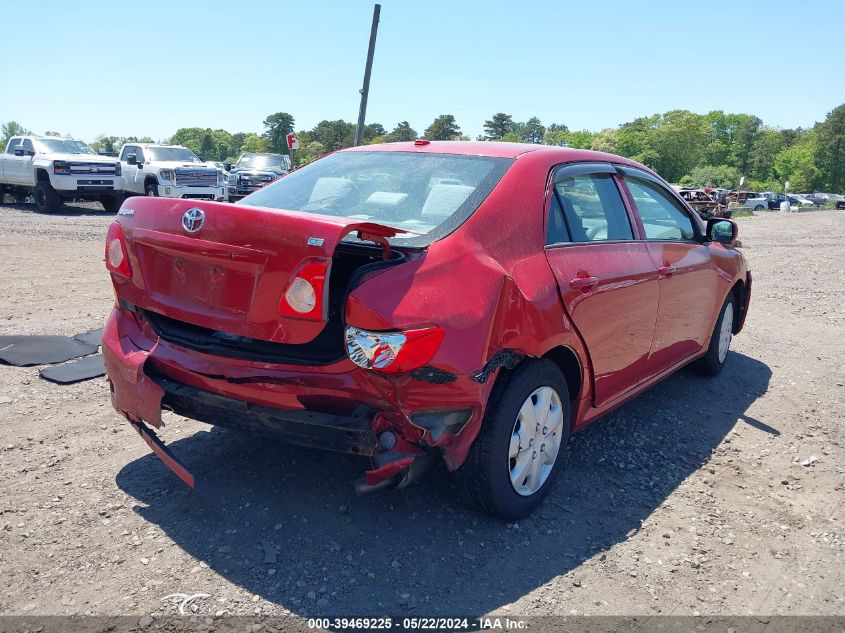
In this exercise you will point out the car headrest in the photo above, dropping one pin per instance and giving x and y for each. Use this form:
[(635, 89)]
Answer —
[(331, 188), (443, 200)]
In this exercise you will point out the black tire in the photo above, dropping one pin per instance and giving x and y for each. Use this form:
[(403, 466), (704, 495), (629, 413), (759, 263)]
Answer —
[(111, 203), (759, 207), (151, 189), (710, 364), (46, 198), (484, 479)]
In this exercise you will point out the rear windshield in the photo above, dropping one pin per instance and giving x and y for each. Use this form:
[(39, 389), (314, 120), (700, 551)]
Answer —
[(427, 195)]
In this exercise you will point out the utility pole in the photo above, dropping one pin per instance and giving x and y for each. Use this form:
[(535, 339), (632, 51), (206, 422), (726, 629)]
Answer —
[(362, 112)]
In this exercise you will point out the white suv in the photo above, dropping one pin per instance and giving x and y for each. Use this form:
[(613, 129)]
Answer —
[(169, 171)]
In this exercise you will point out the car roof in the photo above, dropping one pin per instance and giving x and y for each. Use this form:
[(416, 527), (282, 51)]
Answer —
[(468, 148), (496, 149), (44, 137)]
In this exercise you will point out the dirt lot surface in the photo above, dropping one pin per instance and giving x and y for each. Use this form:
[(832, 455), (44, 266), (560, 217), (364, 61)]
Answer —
[(710, 496)]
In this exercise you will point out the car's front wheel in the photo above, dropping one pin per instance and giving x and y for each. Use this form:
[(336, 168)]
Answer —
[(720, 342), (151, 189), (111, 203), (46, 198), (521, 446), (759, 207)]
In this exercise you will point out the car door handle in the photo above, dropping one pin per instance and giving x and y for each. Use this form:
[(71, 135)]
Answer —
[(583, 282), (666, 270)]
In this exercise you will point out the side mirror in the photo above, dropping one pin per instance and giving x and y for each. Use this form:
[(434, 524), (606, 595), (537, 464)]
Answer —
[(20, 151), (723, 231), (227, 166), (132, 159)]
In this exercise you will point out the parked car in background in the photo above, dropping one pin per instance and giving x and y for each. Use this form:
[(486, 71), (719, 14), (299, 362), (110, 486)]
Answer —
[(749, 200), (704, 204), (795, 202), (800, 201), (821, 199), (754, 201), (53, 170), (774, 200), (253, 171), (474, 301), (169, 171)]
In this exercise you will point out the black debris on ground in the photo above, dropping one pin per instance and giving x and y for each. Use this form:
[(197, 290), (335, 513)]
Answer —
[(91, 337), (76, 371), (25, 351)]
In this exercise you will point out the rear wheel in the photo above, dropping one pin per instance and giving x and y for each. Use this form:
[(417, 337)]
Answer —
[(717, 352), (151, 189), (46, 198), (521, 446)]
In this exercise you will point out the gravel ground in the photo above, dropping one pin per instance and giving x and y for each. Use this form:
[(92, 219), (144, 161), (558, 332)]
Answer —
[(710, 496)]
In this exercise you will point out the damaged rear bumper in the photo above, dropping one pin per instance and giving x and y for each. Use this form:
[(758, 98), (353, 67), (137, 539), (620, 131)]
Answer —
[(345, 434), (372, 416)]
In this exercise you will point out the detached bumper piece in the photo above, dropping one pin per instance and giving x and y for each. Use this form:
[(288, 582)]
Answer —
[(164, 453), (344, 434), (394, 471)]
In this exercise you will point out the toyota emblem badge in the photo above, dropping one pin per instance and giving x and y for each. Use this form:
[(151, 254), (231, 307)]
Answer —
[(193, 220)]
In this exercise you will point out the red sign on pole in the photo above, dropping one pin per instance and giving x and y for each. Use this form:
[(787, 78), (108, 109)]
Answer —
[(292, 142)]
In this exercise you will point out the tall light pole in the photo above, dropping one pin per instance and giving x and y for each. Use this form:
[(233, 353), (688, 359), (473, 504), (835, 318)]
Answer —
[(362, 112)]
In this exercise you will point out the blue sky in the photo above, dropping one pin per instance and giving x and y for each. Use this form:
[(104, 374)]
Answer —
[(149, 67)]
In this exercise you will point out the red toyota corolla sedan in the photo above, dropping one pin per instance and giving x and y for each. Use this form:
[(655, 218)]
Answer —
[(475, 302)]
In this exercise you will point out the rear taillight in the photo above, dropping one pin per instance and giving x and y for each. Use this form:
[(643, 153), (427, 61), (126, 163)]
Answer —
[(117, 260), (392, 352), (305, 295)]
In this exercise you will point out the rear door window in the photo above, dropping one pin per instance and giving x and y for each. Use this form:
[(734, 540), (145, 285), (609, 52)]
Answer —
[(592, 207), (556, 231)]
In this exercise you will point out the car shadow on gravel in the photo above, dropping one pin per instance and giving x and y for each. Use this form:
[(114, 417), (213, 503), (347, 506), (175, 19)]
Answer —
[(420, 551), (69, 209)]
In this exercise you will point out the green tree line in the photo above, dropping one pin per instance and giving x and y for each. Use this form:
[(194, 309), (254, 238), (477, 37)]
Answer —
[(714, 149)]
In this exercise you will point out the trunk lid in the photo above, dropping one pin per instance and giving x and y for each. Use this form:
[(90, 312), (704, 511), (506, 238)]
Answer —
[(229, 274)]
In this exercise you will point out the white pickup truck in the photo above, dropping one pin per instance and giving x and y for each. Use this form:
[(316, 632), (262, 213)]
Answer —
[(169, 171), (53, 169)]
